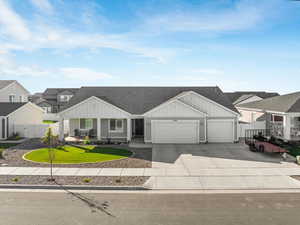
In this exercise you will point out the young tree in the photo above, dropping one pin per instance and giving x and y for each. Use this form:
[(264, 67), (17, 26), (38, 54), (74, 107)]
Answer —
[(51, 141)]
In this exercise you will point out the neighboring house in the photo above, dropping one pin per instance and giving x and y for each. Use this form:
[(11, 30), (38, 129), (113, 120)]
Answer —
[(13, 91), (156, 114), (13, 115), (53, 99), (239, 98), (281, 113)]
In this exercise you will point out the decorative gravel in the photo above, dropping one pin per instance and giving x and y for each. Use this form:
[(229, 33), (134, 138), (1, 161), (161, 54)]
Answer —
[(13, 157), (74, 180)]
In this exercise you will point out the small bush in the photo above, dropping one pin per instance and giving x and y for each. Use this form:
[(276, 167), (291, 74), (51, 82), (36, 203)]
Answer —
[(16, 179), (87, 180), (86, 140), (118, 180), (1, 154)]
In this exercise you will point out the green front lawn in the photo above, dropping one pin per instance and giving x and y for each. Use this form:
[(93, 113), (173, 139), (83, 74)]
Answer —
[(78, 154), (49, 121)]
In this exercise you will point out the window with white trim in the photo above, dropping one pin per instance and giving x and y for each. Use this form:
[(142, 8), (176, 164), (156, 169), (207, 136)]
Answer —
[(65, 98), (116, 125), (11, 98), (86, 124)]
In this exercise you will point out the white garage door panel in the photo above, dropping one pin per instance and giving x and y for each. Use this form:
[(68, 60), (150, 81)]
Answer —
[(220, 131), (170, 131)]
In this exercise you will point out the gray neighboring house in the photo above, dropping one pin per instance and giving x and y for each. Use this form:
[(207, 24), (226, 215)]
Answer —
[(155, 114), (53, 100), (13, 91), (282, 115)]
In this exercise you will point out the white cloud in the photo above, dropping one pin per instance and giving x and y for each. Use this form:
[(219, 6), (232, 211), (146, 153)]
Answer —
[(43, 5), (11, 24), (244, 15), (83, 74), (9, 68)]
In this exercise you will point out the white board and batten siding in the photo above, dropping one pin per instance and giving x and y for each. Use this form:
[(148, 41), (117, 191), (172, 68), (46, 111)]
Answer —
[(196, 113), (93, 107), (26, 116)]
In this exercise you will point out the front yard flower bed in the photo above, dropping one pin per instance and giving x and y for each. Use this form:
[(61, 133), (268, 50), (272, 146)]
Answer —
[(78, 154), (75, 180)]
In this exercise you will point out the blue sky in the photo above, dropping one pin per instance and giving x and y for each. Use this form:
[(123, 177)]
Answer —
[(234, 44)]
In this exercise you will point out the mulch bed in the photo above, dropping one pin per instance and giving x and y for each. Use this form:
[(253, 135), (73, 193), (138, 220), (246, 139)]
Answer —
[(13, 157), (75, 180)]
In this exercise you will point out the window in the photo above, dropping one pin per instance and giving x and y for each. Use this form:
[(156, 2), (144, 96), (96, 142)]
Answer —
[(65, 98), (12, 98), (276, 118), (86, 124), (47, 109), (116, 125)]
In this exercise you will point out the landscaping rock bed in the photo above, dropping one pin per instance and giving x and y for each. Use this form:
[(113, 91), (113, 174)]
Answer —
[(75, 180), (13, 157)]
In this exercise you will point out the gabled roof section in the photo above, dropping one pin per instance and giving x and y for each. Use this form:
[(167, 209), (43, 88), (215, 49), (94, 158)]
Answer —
[(138, 100), (243, 98), (234, 96), (285, 103), (5, 83), (7, 108)]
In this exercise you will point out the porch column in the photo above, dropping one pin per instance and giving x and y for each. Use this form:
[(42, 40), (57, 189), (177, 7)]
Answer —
[(61, 129), (128, 129), (99, 128), (287, 127)]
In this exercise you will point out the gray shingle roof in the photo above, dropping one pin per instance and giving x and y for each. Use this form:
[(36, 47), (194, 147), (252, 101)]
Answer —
[(234, 96), (284, 103), (138, 100), (4, 83), (7, 107), (51, 93)]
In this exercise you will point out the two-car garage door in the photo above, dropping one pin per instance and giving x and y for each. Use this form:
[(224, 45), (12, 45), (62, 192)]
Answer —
[(187, 131), (175, 131)]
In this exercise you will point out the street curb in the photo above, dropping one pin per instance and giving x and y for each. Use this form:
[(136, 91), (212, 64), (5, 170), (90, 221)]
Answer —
[(73, 187)]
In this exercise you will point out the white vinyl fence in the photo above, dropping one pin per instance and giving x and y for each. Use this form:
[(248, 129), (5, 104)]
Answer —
[(242, 127), (38, 130)]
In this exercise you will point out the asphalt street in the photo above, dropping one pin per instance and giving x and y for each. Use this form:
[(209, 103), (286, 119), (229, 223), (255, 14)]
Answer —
[(48, 208)]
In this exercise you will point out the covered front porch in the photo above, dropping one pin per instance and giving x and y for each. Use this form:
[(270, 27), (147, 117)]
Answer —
[(96, 129), (285, 126)]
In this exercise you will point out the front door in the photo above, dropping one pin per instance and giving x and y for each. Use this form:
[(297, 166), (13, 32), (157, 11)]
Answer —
[(138, 127)]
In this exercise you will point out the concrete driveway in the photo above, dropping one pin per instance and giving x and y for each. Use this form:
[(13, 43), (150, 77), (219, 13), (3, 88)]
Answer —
[(214, 156), (220, 166)]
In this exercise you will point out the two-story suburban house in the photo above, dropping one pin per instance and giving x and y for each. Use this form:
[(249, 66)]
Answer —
[(12, 91), (52, 100)]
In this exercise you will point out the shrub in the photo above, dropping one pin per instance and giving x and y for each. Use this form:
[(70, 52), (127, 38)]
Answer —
[(86, 140), (87, 180), (1, 154), (16, 179), (118, 180)]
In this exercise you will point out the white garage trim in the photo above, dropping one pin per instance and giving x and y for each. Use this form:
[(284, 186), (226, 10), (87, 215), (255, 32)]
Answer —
[(172, 133), (215, 137)]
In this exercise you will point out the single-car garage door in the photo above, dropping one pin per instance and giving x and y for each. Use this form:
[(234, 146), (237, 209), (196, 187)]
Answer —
[(175, 131), (220, 131)]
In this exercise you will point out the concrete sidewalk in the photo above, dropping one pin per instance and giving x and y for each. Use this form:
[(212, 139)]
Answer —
[(222, 183), (156, 172)]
